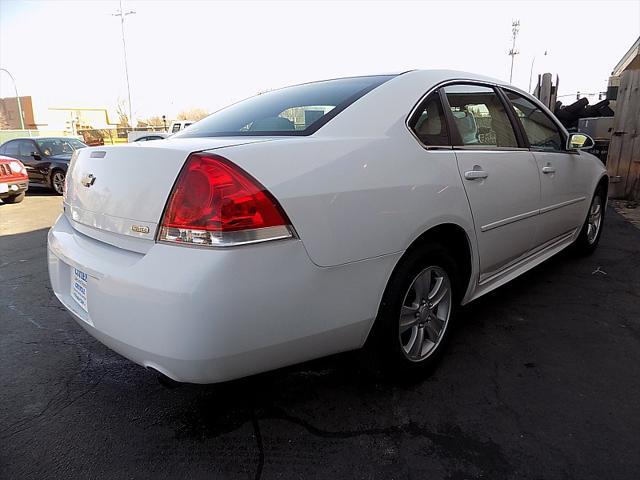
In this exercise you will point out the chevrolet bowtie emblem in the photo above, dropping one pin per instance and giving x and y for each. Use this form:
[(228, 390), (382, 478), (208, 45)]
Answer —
[(88, 180)]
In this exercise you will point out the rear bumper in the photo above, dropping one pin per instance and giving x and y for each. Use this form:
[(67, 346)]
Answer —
[(210, 315)]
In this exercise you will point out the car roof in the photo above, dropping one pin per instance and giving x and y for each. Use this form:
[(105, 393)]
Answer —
[(43, 138), (399, 95)]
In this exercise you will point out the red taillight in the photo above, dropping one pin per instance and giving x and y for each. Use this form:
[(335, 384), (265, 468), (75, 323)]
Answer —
[(214, 202)]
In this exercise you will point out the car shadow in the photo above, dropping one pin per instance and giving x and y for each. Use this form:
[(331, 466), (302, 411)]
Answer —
[(37, 191), (532, 360), (572, 277)]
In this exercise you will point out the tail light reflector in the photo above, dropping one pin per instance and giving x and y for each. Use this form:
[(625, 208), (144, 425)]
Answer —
[(216, 203)]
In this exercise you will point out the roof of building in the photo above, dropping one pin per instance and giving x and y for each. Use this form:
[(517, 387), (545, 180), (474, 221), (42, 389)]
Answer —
[(632, 55)]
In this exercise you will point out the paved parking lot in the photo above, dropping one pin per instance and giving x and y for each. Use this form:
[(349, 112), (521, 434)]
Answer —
[(542, 380)]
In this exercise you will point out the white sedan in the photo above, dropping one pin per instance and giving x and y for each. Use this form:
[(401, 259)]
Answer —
[(317, 219)]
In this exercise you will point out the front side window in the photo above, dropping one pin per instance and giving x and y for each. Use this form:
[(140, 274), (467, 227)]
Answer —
[(26, 148), (290, 111), (59, 146), (480, 116), (541, 131), (429, 123)]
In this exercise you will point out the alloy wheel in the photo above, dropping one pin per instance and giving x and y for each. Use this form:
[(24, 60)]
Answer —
[(57, 182), (425, 313), (594, 220)]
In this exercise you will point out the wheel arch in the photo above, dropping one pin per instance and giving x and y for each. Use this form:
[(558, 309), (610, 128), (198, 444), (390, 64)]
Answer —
[(452, 237), (604, 184), (54, 168)]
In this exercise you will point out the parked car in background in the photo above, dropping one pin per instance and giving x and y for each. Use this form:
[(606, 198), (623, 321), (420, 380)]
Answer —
[(14, 180), (180, 125), (320, 218), (146, 136), (45, 158)]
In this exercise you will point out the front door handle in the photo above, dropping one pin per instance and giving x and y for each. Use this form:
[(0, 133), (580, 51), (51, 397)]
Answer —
[(548, 169), (475, 174)]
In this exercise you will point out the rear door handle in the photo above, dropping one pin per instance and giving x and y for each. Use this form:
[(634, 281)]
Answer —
[(548, 169), (475, 174)]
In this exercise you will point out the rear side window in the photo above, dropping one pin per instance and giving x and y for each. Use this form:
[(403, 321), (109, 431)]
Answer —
[(480, 116), (540, 129), (429, 123), (291, 111), (11, 148)]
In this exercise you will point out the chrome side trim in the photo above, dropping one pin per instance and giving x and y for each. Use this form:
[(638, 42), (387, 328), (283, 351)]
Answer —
[(507, 221), (518, 262), (562, 204), (532, 213), (490, 148)]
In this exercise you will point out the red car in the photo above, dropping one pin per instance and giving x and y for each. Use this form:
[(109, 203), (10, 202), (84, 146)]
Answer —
[(13, 180)]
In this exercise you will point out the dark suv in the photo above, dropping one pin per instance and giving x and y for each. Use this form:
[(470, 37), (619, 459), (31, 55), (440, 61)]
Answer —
[(45, 158)]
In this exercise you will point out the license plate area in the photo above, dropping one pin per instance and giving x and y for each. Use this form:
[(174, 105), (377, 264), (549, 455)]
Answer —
[(4, 187), (79, 281)]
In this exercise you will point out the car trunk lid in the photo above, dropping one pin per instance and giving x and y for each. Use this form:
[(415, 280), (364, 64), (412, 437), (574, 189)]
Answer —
[(117, 194)]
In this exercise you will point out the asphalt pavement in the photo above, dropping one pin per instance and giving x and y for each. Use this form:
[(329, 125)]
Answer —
[(541, 380)]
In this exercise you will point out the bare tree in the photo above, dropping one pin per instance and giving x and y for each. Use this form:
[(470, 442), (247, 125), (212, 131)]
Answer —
[(121, 110), (194, 114), (153, 121)]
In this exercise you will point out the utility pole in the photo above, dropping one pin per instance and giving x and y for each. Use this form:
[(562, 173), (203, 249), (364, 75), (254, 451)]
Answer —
[(121, 13), (515, 28), (15, 88)]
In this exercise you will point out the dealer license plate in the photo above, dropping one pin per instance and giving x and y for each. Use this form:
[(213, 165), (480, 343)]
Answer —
[(79, 287)]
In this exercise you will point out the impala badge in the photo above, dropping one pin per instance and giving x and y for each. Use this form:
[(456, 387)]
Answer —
[(88, 180), (140, 229)]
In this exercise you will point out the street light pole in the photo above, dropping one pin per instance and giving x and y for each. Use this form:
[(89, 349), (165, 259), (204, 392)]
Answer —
[(531, 72), (123, 14), (15, 88)]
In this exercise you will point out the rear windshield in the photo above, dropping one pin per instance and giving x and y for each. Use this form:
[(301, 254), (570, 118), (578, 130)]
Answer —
[(298, 110)]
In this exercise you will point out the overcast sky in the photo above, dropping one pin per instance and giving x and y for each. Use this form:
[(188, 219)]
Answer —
[(209, 54)]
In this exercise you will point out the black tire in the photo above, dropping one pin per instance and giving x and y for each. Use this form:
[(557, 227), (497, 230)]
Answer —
[(586, 244), (14, 198), (57, 176), (385, 344)]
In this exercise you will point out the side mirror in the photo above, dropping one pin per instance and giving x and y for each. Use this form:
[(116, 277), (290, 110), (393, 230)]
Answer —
[(579, 141), (35, 155)]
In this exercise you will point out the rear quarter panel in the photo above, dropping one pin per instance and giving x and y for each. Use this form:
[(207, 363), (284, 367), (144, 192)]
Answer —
[(593, 171), (361, 197)]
